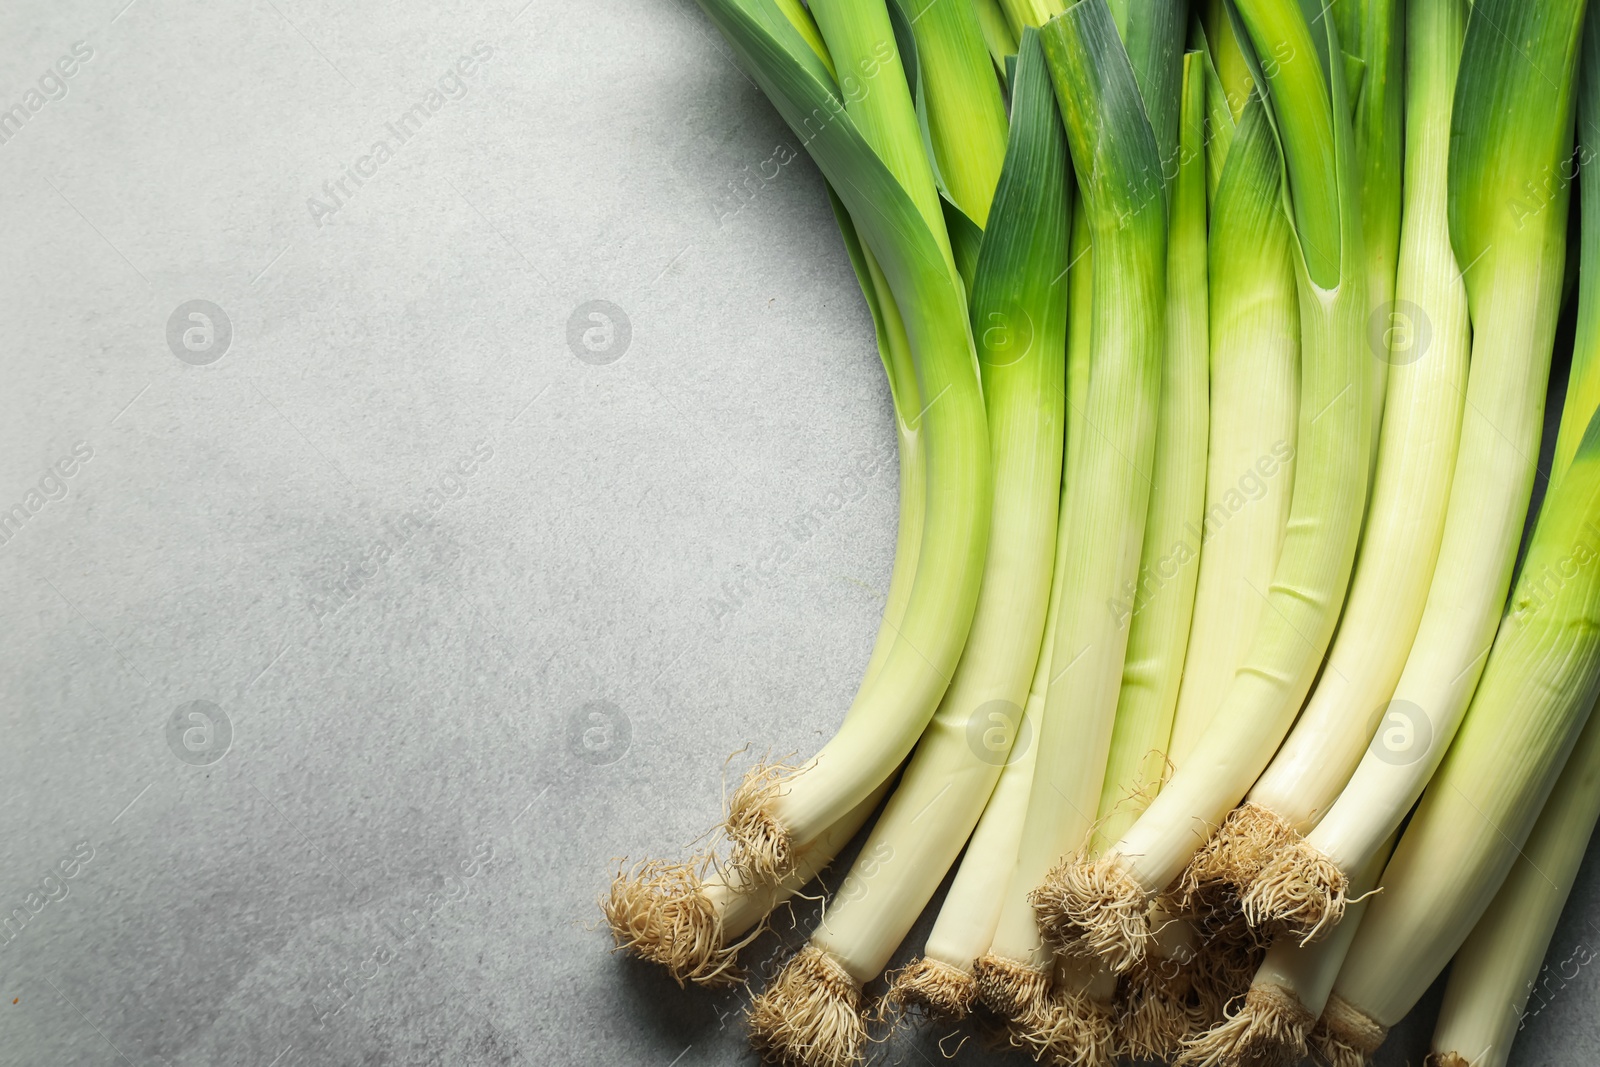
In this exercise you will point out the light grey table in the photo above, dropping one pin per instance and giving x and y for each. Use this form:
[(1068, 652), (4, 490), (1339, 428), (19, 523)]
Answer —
[(367, 596)]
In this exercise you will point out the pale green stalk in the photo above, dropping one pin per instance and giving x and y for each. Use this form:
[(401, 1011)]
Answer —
[(771, 815), (1506, 130), (1254, 397), (1537, 691), (1019, 318), (1157, 608), (1233, 70), (894, 351), (1496, 974), (1103, 906), (1427, 342), (970, 914), (1114, 152)]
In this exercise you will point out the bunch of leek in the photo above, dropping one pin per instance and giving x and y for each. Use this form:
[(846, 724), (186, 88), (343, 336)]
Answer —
[(1203, 506)]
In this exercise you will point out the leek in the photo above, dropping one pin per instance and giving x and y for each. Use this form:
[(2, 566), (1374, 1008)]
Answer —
[(1079, 1023), (1421, 428), (1158, 606), (1506, 130), (777, 817), (1115, 155), (1535, 696), (693, 918), (879, 171), (1497, 968), (1255, 350), (945, 980), (1103, 906), (1019, 317), (1495, 972)]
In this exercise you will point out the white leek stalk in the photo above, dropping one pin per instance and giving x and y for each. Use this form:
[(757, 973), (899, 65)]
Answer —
[(1255, 385), (1080, 1023), (1158, 1008), (1497, 970), (943, 981)]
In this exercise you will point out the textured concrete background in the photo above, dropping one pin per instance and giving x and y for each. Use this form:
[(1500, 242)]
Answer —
[(378, 611)]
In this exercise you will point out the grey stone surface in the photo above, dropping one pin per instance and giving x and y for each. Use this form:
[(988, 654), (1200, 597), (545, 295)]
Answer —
[(473, 598)]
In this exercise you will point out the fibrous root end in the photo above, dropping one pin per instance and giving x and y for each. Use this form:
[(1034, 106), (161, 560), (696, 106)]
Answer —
[(1345, 1036), (1164, 1003), (659, 912), (1299, 894), (1068, 1029), (939, 989), (1248, 839), (1269, 1030), (810, 1016), (1094, 908), (761, 850), (1007, 987)]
